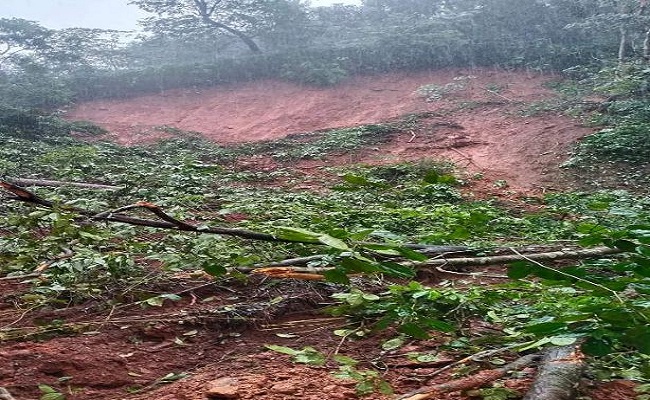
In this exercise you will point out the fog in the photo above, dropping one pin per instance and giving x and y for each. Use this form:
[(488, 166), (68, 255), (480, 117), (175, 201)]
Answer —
[(104, 14)]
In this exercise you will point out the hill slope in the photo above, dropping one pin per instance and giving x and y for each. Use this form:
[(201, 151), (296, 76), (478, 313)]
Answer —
[(476, 119)]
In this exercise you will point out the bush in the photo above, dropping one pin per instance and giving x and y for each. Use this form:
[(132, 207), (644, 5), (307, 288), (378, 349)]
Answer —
[(34, 124), (315, 73), (626, 142)]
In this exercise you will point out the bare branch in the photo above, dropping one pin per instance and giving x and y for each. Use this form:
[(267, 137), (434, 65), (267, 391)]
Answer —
[(51, 183)]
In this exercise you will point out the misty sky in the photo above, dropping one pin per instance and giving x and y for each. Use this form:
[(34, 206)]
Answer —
[(106, 14)]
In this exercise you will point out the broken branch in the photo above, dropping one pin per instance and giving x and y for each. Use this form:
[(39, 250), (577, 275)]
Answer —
[(504, 259), (51, 183), (475, 381)]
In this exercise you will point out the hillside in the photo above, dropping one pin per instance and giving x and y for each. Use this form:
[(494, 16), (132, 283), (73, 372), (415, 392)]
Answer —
[(489, 125)]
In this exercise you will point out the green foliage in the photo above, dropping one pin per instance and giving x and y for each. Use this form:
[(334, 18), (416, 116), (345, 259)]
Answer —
[(414, 309), (315, 74), (385, 204), (628, 143), (318, 145), (307, 355), (603, 304), (37, 125), (617, 154), (49, 393), (368, 381)]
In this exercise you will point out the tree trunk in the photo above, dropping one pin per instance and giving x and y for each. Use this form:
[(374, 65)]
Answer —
[(241, 35), (206, 14), (622, 45), (558, 376), (646, 45)]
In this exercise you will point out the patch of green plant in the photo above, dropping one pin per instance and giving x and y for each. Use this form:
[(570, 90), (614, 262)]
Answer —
[(414, 309), (314, 73), (39, 125), (620, 151), (318, 145), (49, 393), (628, 143), (193, 179), (602, 304)]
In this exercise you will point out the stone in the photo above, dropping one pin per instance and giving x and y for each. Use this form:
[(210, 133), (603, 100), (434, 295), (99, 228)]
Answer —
[(223, 388), (284, 388)]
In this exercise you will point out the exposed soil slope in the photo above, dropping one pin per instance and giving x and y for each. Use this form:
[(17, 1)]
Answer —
[(481, 125)]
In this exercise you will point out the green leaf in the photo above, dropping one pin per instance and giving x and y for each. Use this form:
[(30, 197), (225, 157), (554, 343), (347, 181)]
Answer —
[(639, 337), (336, 276), (49, 393), (625, 245), (361, 235), (357, 180), (384, 388), (354, 264), (345, 360), (393, 344), (427, 358), (519, 269), (297, 234), (411, 254), (52, 396), (215, 270), (437, 325), (282, 349), (310, 356), (47, 389), (414, 330), (597, 347), (364, 387), (333, 242), (397, 270), (541, 342), (563, 340), (545, 328), (643, 250)]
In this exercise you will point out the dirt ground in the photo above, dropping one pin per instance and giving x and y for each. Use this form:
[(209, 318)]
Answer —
[(183, 350)]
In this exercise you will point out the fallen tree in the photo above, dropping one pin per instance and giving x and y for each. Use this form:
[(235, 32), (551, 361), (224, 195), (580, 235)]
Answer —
[(51, 183), (166, 221)]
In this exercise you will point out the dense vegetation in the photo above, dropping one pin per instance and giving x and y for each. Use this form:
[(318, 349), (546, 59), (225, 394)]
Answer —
[(604, 304)]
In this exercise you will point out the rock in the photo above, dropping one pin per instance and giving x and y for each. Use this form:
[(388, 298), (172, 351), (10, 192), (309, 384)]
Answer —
[(284, 388), (223, 388)]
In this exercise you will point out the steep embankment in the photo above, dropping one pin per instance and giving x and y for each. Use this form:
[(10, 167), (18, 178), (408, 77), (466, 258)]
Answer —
[(479, 121)]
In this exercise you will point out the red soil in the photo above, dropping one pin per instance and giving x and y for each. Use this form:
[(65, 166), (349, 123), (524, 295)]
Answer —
[(480, 127)]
